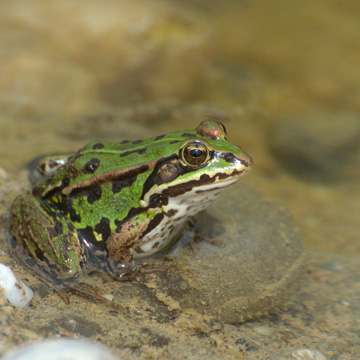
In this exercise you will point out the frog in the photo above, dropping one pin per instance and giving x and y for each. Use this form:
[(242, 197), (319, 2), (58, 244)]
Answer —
[(112, 204)]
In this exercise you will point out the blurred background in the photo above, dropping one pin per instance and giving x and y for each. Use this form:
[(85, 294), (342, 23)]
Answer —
[(283, 76)]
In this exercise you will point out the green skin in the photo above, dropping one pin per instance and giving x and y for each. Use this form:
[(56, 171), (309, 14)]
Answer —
[(98, 207)]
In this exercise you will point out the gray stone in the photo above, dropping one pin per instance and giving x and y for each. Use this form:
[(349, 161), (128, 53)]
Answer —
[(261, 262)]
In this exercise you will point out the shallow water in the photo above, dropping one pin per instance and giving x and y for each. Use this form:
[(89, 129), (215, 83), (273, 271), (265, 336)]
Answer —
[(75, 72)]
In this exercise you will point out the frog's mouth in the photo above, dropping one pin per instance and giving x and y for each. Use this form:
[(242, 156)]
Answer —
[(201, 184), (205, 183)]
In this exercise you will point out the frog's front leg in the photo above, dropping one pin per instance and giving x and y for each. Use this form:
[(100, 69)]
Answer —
[(46, 237), (121, 242)]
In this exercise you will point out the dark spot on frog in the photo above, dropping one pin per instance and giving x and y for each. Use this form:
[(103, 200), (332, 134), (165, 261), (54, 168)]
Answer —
[(124, 141), (39, 254), (155, 245), (137, 142), (157, 200), (98, 146), (42, 168), (183, 188), (59, 228), (103, 228), (172, 212), (91, 166), (73, 216), (65, 181), (139, 250), (73, 171), (127, 179), (187, 135), (139, 151), (94, 194), (51, 164), (119, 184), (154, 223), (159, 137)]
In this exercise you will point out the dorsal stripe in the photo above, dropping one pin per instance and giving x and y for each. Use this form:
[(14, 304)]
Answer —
[(112, 175)]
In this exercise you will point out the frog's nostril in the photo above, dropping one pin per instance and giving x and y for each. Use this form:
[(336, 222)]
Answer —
[(229, 157)]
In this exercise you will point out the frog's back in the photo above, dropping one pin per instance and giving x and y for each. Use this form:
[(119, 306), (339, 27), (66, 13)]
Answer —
[(105, 180), (99, 157)]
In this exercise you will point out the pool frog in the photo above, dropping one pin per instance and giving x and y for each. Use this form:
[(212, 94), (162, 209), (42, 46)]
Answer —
[(109, 204)]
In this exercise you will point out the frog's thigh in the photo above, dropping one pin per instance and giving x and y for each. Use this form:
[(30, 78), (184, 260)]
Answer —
[(120, 242), (45, 237)]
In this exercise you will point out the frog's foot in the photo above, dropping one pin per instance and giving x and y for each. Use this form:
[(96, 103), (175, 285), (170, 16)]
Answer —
[(195, 237), (210, 241), (154, 265), (61, 293), (58, 286), (93, 293)]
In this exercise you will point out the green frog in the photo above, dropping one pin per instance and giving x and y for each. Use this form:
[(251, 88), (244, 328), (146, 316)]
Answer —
[(110, 204)]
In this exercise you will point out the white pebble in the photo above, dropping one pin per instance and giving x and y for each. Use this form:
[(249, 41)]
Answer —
[(308, 354), (14, 290), (109, 297), (263, 330), (61, 349)]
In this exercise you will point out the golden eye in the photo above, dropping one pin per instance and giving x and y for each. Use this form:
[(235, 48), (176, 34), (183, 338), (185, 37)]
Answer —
[(194, 153)]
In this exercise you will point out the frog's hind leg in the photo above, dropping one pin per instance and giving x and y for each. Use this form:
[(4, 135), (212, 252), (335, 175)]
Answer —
[(43, 241)]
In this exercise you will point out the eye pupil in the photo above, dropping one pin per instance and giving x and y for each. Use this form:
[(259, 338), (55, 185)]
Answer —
[(196, 152)]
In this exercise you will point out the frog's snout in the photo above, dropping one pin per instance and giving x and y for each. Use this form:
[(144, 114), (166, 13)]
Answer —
[(249, 162), (244, 158)]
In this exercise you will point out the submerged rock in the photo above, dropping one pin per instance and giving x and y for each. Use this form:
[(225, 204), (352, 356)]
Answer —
[(256, 264)]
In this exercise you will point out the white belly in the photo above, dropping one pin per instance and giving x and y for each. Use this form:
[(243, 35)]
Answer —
[(181, 208)]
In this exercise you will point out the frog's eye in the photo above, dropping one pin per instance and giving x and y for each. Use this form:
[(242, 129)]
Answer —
[(194, 153)]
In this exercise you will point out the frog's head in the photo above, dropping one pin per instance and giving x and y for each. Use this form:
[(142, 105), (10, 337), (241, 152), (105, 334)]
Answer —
[(203, 165)]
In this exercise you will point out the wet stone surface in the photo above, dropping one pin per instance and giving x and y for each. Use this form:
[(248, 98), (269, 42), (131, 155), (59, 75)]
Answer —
[(253, 261)]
